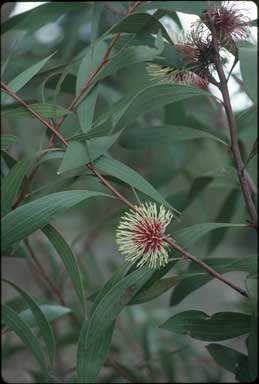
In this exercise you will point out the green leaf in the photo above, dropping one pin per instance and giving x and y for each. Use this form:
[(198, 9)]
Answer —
[(200, 326), (6, 141), (90, 62), (130, 107), (13, 180), (45, 110), (143, 138), (85, 110), (68, 259), (35, 18), (139, 23), (80, 153), (155, 290), (101, 321), (93, 58), (41, 321), (189, 235), (231, 360), (226, 213), (248, 66), (23, 78), (16, 324), (221, 265), (51, 312), (90, 358), (29, 217), (253, 152), (113, 301), (97, 10), (127, 175), (192, 7), (126, 57)]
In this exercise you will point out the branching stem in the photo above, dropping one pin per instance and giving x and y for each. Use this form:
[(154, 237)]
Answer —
[(243, 180), (172, 243), (203, 265)]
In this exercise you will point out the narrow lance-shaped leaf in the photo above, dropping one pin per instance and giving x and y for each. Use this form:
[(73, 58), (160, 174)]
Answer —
[(231, 360), (253, 152), (249, 69), (41, 321), (29, 217), (157, 289), (190, 7), (51, 312), (141, 138), (90, 62), (121, 171), (33, 19), (16, 324), (13, 180), (91, 357), (45, 110), (102, 319), (68, 259), (79, 153), (189, 235), (130, 107), (226, 212), (201, 326), (23, 78), (137, 23)]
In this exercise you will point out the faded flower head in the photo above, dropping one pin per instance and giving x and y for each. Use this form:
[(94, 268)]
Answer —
[(168, 75), (197, 53), (141, 235), (229, 23)]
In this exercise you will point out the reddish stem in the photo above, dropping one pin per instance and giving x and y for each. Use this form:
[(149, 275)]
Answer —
[(26, 106), (92, 75), (244, 182), (203, 265)]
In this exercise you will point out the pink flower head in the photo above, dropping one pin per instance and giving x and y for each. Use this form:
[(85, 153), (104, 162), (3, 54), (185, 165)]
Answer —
[(141, 235), (229, 22)]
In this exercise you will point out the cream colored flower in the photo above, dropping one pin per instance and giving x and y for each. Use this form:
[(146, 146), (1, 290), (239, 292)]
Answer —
[(141, 235)]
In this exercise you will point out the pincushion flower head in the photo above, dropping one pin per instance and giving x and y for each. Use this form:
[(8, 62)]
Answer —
[(141, 235)]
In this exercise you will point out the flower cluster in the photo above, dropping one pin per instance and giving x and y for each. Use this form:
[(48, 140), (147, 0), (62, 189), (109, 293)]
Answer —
[(141, 235), (196, 49)]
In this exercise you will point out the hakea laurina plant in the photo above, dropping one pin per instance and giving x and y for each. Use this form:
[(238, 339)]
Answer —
[(141, 235), (196, 49)]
